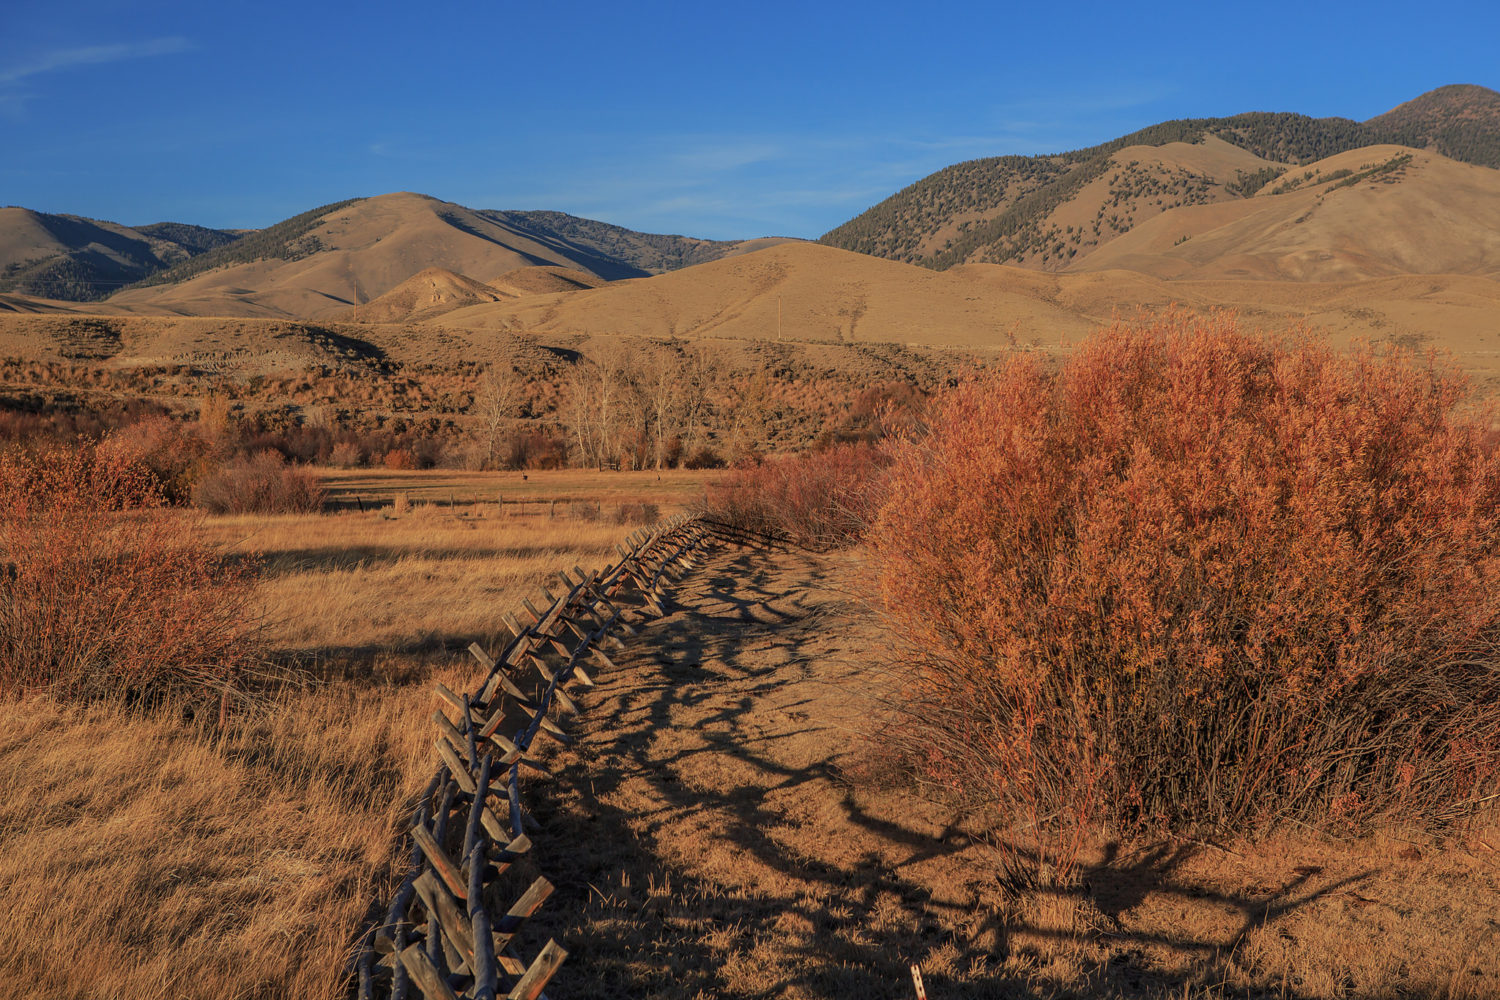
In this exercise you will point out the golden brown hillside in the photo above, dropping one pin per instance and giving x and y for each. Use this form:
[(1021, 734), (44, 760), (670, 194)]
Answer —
[(425, 295), (1372, 212), (1133, 185), (71, 257), (823, 294), (792, 291), (357, 254), (544, 281), (13, 303), (1050, 210)]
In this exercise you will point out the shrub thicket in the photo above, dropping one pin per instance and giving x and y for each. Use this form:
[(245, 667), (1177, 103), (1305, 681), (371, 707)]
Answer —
[(1200, 579), (820, 499), (259, 484), (177, 453), (103, 592)]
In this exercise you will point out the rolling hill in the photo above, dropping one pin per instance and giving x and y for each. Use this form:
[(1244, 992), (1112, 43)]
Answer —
[(1372, 212), (795, 291), (808, 292), (330, 259), (647, 253), (425, 295), (544, 281), (71, 257), (321, 264), (320, 261), (1048, 212)]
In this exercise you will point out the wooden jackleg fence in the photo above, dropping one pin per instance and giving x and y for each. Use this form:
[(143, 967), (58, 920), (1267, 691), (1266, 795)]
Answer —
[(450, 929)]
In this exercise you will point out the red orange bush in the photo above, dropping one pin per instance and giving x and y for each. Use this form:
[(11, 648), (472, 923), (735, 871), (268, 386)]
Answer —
[(259, 484), (1203, 579), (820, 498), (103, 591), (177, 453)]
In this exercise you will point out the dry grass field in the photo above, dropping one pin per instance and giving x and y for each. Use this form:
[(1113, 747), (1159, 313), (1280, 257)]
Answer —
[(157, 853), (730, 823), (531, 493)]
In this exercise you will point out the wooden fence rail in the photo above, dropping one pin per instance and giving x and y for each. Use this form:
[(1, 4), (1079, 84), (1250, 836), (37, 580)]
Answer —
[(450, 929)]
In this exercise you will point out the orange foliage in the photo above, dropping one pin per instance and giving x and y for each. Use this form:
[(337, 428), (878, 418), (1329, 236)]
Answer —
[(399, 458), (259, 484), (819, 498), (104, 591), (177, 453), (1203, 579)]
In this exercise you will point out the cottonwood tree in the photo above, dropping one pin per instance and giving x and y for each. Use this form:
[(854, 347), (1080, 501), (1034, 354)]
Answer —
[(639, 404), (750, 409), (604, 402), (698, 373), (495, 403)]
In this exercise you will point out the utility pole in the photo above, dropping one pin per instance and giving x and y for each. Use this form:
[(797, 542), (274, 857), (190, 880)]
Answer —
[(778, 319)]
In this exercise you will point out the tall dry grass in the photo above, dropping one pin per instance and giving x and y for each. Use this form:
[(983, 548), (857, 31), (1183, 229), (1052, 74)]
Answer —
[(145, 858), (1201, 579), (160, 853), (353, 584)]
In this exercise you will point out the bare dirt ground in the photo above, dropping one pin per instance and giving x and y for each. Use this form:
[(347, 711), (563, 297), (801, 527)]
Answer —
[(719, 829)]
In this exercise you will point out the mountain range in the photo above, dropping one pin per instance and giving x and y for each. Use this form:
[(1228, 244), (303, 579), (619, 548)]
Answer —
[(325, 259), (1047, 211), (1294, 218)]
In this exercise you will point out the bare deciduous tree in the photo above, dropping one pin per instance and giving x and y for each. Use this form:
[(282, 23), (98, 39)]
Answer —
[(495, 403)]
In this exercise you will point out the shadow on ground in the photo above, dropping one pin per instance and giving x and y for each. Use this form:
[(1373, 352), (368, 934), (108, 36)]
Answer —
[(705, 843)]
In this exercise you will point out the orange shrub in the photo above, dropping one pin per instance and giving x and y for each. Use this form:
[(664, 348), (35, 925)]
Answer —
[(399, 458), (105, 592), (1202, 579), (820, 498), (260, 484), (176, 452)]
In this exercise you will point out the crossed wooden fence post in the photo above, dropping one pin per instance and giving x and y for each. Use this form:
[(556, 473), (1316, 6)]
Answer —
[(444, 932)]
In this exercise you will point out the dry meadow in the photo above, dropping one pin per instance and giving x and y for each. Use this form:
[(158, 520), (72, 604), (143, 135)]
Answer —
[(732, 821), (172, 851)]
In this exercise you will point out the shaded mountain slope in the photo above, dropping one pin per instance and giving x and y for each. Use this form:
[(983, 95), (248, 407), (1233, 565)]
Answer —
[(71, 257)]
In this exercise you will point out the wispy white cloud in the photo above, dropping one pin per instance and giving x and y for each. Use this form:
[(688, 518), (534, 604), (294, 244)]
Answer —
[(730, 185), (91, 55), (713, 157)]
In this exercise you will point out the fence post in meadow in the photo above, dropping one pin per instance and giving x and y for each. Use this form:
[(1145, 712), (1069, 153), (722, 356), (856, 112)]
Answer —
[(441, 937)]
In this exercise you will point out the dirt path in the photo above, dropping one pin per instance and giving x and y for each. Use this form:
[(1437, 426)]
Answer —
[(705, 842), (714, 848)]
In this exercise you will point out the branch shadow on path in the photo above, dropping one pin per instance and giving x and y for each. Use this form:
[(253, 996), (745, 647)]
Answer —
[(705, 840)]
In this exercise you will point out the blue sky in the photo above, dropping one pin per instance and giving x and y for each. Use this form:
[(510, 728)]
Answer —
[(722, 121)]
